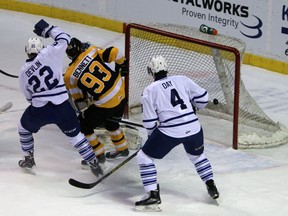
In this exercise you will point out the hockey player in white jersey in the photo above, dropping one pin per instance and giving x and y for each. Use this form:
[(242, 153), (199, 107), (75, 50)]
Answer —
[(43, 86), (170, 119)]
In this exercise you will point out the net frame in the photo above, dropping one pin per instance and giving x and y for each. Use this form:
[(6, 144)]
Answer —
[(236, 47), (197, 41)]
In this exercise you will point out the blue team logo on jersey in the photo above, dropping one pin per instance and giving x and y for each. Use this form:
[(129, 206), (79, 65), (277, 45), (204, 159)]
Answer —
[(257, 27)]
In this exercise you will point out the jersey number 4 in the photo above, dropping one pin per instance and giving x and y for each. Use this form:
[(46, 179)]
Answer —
[(175, 99)]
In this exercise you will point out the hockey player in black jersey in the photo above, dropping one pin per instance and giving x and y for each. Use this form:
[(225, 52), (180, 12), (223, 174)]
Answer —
[(168, 116), (95, 82)]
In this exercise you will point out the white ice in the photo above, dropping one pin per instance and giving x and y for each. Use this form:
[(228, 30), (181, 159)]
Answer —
[(250, 182)]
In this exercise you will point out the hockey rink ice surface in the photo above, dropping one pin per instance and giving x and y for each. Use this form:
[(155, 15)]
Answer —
[(250, 182)]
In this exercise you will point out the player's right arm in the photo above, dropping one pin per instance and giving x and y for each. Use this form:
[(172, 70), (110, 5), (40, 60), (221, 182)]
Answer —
[(197, 95), (23, 84), (149, 115), (61, 39)]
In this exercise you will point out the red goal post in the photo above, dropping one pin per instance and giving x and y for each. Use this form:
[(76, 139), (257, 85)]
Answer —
[(214, 62)]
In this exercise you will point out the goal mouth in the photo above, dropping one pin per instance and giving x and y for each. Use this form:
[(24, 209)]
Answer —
[(213, 62)]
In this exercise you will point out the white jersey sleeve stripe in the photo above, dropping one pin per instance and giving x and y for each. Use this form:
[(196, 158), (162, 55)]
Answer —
[(152, 128), (199, 97), (180, 116), (49, 95), (150, 120)]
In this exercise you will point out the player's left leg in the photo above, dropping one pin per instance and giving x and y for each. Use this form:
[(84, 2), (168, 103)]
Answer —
[(194, 147), (156, 147)]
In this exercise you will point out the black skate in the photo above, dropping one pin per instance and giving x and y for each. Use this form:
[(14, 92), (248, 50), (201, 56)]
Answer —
[(101, 160), (28, 163), (149, 202), (112, 155), (95, 168), (212, 190)]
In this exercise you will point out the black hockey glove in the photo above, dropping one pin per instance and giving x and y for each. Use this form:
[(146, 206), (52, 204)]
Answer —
[(42, 29), (85, 46), (122, 68)]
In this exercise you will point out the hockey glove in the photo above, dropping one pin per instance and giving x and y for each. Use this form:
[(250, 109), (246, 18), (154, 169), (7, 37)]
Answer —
[(122, 68), (42, 29)]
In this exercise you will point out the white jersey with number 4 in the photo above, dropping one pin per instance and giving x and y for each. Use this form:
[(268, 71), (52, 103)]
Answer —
[(41, 78), (167, 104)]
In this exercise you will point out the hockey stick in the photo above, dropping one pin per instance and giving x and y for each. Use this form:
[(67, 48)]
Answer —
[(10, 75), (7, 74), (83, 185), (6, 106), (125, 122)]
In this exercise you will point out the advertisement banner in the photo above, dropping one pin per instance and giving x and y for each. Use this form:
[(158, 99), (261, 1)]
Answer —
[(279, 29), (262, 24)]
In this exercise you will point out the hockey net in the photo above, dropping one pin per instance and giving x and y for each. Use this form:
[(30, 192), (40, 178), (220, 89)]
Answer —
[(214, 62)]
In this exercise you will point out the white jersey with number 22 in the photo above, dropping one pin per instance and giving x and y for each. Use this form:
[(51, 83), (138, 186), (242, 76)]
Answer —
[(41, 78)]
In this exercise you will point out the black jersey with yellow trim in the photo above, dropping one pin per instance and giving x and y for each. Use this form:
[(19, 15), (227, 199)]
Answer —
[(90, 73)]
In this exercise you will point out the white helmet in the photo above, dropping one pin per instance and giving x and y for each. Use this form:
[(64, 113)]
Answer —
[(34, 45), (156, 64)]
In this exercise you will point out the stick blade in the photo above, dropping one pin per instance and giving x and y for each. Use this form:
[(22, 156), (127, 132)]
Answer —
[(78, 184), (7, 106)]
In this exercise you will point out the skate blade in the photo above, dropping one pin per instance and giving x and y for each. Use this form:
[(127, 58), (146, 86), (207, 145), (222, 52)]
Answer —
[(30, 171), (87, 167), (216, 201), (148, 208), (117, 158)]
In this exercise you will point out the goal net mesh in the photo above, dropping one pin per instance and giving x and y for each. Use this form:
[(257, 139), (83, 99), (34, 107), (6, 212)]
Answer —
[(211, 62)]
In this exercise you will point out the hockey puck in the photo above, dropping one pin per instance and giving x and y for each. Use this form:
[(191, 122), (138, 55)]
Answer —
[(215, 101)]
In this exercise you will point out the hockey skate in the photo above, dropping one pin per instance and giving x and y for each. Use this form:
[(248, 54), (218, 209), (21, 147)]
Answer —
[(28, 163), (112, 155), (101, 160), (150, 202), (96, 168), (212, 190)]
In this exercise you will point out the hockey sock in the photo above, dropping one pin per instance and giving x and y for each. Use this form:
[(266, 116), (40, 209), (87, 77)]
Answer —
[(203, 166), (83, 147), (148, 171), (97, 146), (26, 140), (118, 139)]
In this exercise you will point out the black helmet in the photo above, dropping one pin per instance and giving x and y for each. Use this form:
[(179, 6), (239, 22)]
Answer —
[(74, 48)]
